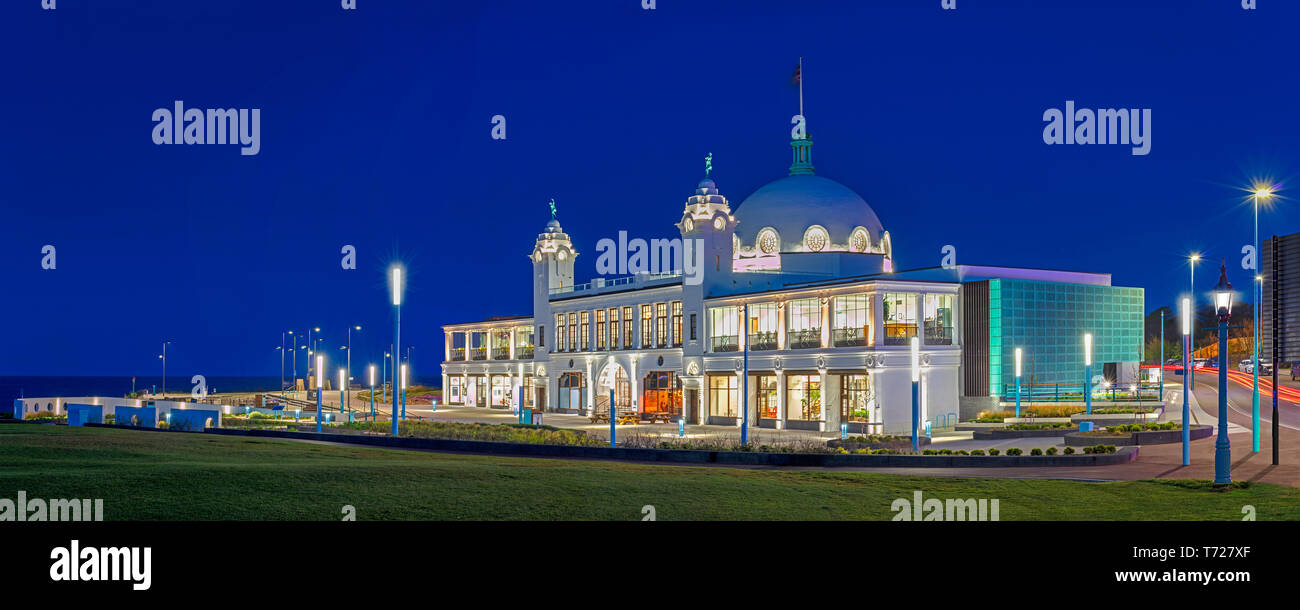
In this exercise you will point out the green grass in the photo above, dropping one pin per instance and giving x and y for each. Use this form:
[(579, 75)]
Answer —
[(170, 476)]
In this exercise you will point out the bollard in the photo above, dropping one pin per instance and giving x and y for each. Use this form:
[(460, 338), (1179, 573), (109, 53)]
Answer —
[(681, 427), (844, 431)]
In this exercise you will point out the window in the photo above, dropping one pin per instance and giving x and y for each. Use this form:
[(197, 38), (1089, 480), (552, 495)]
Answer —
[(454, 391), (761, 328), (478, 345), (677, 323), (723, 334), (541, 336), (692, 327), (560, 334), (646, 320), (501, 345), (805, 328), (938, 319), (767, 241), (850, 323), (628, 329), (815, 239), (584, 333), (600, 329), (723, 400), (766, 396), (856, 399), (573, 394), (524, 342), (457, 346), (661, 324), (573, 331), (661, 393), (613, 328), (900, 318), (803, 397)]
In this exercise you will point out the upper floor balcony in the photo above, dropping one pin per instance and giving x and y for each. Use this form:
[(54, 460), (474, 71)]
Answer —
[(478, 353), (500, 353), (762, 341), (899, 334), (457, 353), (938, 335), (854, 336), (805, 338), (726, 343)]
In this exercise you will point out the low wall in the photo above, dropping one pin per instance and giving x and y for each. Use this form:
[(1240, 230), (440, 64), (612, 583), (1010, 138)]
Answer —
[(1152, 437), (1003, 434), (687, 456)]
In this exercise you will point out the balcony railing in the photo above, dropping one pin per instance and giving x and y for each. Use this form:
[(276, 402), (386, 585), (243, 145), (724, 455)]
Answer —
[(500, 353), (849, 337), (762, 341), (726, 343), (805, 339), (899, 334), (457, 353), (938, 335), (478, 353), (524, 352)]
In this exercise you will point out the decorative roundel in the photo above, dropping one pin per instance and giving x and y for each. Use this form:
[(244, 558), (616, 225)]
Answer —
[(719, 223), (815, 239), (661, 361), (692, 368), (739, 365), (925, 359), (767, 241), (776, 363), (858, 242), (541, 371), (562, 255), (689, 224), (821, 363)]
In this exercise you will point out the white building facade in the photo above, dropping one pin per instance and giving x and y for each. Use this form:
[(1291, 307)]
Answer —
[(795, 316)]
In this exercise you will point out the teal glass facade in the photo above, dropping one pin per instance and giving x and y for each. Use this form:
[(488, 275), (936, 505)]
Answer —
[(1048, 320)]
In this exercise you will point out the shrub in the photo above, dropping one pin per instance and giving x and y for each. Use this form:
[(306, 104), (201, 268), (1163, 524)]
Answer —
[(993, 452), (1088, 450), (1052, 411), (977, 452), (993, 416), (1109, 448), (1035, 451), (1014, 451), (1069, 451), (1051, 451)]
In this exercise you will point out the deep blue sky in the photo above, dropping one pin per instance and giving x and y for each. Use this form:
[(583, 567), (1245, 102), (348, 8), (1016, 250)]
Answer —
[(375, 133)]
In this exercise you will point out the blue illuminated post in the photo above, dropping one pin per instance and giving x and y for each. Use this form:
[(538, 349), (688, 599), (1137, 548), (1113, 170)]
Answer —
[(372, 392), (916, 391), (320, 390), (1258, 294), (1018, 358), (397, 332), (1222, 448), (611, 418), (342, 389), (403, 390), (1087, 372), (1187, 386), (1160, 366), (1191, 336)]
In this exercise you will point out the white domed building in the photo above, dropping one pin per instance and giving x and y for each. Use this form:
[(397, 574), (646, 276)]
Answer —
[(784, 312)]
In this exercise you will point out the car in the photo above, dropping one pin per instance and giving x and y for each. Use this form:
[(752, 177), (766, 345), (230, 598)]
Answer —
[(1295, 371), (1246, 365)]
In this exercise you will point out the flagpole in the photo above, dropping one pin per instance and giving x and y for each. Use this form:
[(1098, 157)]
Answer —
[(801, 89)]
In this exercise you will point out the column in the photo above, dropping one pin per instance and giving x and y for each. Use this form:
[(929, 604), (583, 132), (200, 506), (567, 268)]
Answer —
[(877, 318), (513, 329), (636, 385), (824, 321), (591, 389), (780, 326), (740, 393), (446, 391), (487, 374), (704, 399)]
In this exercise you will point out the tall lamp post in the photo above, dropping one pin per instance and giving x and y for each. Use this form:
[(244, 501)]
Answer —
[(916, 391), (342, 388), (1018, 358), (1263, 192), (1191, 286), (372, 392), (349, 365), (1160, 366), (1087, 372), (744, 383), (311, 349), (403, 390), (1222, 448), (164, 359), (396, 275), (1187, 372), (320, 390)]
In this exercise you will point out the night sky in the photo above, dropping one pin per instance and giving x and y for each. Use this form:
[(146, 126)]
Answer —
[(375, 132)]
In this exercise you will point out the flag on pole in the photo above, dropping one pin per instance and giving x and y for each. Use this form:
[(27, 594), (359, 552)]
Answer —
[(798, 74)]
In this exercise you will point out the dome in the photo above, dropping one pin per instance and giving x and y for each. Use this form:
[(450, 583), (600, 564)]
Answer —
[(553, 226), (808, 213)]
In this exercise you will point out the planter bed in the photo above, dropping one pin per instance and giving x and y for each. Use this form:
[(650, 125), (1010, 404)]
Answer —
[(1036, 420), (1002, 433), (1104, 419), (1151, 437), (848, 446), (687, 456)]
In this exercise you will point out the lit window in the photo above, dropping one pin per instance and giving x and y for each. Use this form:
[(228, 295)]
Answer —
[(815, 239), (767, 241)]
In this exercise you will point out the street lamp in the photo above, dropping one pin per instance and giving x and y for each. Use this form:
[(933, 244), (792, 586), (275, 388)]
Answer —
[(403, 390), (320, 389), (1264, 192), (1087, 371), (1187, 371), (1018, 358), (311, 347), (1222, 448), (164, 359), (357, 327), (916, 391), (396, 288), (372, 392), (1191, 332)]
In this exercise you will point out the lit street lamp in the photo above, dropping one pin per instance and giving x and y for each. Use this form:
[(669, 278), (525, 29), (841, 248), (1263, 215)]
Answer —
[(342, 387), (320, 390), (916, 391), (372, 392), (403, 390), (1260, 192), (1018, 357), (164, 359), (1087, 371), (357, 327), (1222, 448), (396, 287), (1191, 333), (1187, 371)]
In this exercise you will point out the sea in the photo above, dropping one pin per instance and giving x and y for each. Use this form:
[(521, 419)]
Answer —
[(38, 385)]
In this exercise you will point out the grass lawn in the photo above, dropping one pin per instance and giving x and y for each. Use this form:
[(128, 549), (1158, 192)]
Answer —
[(173, 476)]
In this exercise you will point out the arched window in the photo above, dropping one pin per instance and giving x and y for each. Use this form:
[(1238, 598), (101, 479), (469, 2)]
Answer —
[(859, 241), (815, 239), (768, 241)]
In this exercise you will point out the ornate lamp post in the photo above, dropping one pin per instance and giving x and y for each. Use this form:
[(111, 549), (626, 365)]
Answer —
[(1222, 448)]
